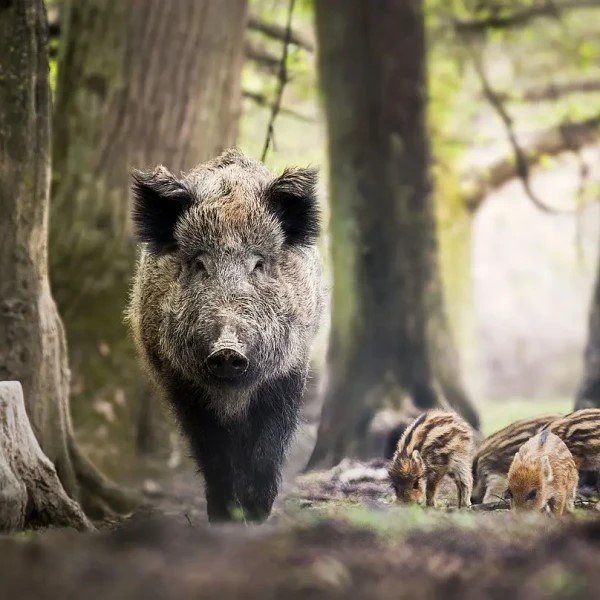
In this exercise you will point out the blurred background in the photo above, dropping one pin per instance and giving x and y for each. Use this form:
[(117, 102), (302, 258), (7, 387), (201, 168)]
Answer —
[(477, 286)]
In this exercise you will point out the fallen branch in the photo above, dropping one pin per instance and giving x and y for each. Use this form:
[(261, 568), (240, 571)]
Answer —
[(587, 504), (277, 32), (549, 142), (523, 16), (489, 506)]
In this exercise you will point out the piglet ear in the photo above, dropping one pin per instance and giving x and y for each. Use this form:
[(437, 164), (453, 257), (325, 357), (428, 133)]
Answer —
[(159, 200), (416, 456), (547, 469), (292, 198)]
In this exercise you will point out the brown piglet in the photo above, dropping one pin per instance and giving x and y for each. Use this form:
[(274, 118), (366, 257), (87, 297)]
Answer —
[(543, 476), (495, 455), (436, 444), (580, 431)]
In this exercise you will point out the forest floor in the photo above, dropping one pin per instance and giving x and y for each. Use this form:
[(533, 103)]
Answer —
[(334, 534)]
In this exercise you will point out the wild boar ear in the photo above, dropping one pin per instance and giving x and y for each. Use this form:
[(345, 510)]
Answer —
[(547, 469), (159, 199), (292, 198)]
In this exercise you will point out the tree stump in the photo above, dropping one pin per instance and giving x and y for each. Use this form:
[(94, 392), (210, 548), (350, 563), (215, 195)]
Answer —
[(31, 494)]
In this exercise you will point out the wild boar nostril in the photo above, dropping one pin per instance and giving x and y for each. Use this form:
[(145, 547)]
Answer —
[(227, 363)]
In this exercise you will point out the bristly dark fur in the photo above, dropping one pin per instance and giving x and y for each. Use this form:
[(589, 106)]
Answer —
[(254, 291), (159, 200), (241, 461), (292, 197)]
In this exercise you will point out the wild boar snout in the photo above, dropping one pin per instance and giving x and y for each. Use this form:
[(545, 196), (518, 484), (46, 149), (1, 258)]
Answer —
[(227, 363)]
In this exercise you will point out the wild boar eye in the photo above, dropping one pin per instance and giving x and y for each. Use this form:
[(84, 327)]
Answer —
[(416, 485), (532, 494), (259, 265), (199, 266)]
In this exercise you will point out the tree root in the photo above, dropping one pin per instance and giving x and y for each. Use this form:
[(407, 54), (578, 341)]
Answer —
[(99, 496), (31, 494)]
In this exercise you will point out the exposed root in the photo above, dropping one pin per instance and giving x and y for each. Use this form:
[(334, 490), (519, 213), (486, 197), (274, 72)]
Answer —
[(99, 496), (32, 494)]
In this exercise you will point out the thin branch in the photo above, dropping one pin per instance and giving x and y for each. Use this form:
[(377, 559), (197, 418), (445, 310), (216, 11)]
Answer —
[(263, 58), (548, 142), (523, 16), (282, 80), (520, 157), (553, 91), (262, 100), (277, 32)]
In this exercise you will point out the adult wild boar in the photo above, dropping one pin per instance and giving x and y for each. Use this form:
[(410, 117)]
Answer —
[(227, 299)]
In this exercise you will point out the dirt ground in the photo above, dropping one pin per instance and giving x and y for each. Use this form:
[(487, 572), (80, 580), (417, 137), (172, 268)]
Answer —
[(334, 534)]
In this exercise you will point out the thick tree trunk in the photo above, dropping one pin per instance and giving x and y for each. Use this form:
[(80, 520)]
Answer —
[(389, 329), (32, 342), (139, 83), (588, 394)]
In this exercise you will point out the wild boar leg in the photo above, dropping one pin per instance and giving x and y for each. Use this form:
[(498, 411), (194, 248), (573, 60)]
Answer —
[(433, 481), (558, 506), (258, 458), (211, 443), (479, 489), (463, 479)]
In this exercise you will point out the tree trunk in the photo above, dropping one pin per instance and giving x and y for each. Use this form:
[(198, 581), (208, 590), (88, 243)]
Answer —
[(32, 342), (139, 83), (588, 394), (389, 329)]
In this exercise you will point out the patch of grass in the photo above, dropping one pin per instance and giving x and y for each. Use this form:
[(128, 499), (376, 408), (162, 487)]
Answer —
[(496, 414), (391, 523)]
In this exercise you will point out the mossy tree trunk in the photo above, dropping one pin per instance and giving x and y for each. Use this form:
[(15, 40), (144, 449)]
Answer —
[(139, 83), (588, 394), (32, 341), (389, 329)]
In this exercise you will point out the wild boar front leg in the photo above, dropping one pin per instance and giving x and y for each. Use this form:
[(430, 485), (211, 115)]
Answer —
[(463, 478), (433, 482), (260, 446), (211, 444), (557, 504)]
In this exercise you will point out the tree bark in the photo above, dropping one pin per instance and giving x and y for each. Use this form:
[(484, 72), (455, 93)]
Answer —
[(588, 394), (31, 494), (32, 341), (389, 328), (139, 83)]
